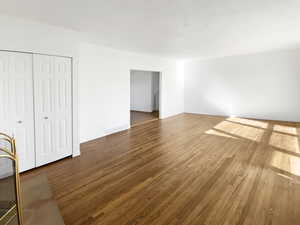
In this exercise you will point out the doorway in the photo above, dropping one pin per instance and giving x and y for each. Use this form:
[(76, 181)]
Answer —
[(144, 96)]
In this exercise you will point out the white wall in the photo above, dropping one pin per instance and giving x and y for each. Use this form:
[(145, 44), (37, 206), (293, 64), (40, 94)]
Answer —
[(144, 91), (28, 36), (24, 35), (264, 86), (141, 91), (104, 88), (103, 75)]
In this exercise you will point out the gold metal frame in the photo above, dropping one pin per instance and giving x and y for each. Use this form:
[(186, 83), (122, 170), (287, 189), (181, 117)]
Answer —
[(9, 140), (9, 215), (13, 156)]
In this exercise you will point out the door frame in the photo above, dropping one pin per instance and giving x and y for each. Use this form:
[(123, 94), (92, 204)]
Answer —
[(74, 95), (160, 105)]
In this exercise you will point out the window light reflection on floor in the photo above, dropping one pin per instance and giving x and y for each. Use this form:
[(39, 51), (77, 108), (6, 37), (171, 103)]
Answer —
[(285, 129), (240, 130), (286, 162), (218, 133), (285, 142), (255, 123)]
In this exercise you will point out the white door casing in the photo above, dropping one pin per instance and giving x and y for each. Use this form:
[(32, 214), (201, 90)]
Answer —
[(16, 101), (53, 108)]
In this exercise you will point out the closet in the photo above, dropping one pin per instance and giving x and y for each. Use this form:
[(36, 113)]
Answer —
[(36, 106)]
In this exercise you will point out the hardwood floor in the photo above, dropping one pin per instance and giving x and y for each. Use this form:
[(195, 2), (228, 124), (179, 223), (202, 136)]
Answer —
[(137, 118), (185, 170)]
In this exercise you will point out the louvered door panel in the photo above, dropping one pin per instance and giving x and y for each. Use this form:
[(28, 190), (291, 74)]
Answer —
[(53, 108)]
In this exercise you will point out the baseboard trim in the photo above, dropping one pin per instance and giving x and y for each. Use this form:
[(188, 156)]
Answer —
[(116, 129), (243, 117)]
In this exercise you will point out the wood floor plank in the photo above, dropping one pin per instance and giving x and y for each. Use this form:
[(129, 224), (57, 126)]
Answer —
[(185, 170)]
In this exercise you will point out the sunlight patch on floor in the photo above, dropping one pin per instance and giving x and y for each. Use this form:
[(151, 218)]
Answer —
[(221, 134), (285, 129), (286, 162), (285, 142), (255, 123), (239, 130)]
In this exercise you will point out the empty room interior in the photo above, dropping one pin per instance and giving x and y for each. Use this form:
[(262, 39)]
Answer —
[(134, 112), (144, 96)]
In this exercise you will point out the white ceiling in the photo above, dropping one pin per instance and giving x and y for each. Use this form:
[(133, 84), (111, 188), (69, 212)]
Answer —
[(173, 28)]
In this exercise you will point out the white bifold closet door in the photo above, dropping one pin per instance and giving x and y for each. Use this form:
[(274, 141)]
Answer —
[(53, 108), (16, 104)]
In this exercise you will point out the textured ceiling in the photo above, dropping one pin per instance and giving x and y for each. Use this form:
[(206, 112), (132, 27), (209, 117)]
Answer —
[(173, 28)]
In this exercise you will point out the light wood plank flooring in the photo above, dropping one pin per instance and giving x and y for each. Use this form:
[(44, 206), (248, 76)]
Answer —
[(137, 118), (185, 170)]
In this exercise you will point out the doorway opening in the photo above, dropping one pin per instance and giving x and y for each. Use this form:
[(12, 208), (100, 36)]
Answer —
[(144, 96)]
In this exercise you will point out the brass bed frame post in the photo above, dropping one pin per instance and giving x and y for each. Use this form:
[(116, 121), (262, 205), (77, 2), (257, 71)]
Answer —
[(13, 156), (18, 188)]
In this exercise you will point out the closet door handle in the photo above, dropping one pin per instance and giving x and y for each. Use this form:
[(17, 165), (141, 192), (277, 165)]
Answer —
[(46, 117), (20, 121)]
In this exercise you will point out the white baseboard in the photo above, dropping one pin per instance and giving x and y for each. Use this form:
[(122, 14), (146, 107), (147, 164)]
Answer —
[(116, 129)]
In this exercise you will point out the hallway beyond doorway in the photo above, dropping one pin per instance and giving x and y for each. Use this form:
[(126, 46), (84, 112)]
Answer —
[(142, 117)]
